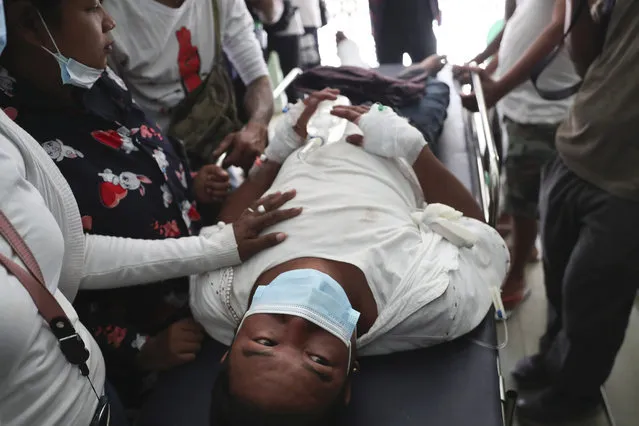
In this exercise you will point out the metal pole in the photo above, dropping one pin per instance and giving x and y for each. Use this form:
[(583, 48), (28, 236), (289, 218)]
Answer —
[(492, 174)]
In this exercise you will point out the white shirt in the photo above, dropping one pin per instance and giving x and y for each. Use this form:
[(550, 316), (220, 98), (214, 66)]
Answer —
[(357, 210), (523, 104), (310, 12), (163, 52), (38, 386)]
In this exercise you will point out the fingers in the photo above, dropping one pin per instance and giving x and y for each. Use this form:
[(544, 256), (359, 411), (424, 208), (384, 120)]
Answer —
[(355, 140), (266, 241), (224, 146), (271, 218), (312, 102), (470, 102), (212, 172), (274, 201), (349, 114)]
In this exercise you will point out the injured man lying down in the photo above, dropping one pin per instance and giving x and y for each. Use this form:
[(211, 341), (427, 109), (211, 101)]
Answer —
[(390, 253)]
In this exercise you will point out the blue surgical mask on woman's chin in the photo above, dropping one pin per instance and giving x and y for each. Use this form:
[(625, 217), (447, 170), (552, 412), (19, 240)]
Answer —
[(312, 295), (71, 71)]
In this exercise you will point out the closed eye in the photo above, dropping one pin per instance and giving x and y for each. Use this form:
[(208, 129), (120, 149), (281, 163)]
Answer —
[(319, 360), (265, 342)]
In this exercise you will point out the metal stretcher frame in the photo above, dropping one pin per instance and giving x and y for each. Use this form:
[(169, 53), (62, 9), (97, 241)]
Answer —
[(479, 136)]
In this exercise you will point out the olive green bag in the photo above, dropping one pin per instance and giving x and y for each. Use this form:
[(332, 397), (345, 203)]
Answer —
[(209, 113)]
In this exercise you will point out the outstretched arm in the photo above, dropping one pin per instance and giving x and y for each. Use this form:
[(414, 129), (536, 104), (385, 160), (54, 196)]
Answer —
[(520, 72)]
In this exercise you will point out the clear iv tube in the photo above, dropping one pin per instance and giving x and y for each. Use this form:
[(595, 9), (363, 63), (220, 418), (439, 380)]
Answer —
[(323, 127)]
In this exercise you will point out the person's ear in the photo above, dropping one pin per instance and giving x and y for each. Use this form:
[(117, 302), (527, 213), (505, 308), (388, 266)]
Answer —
[(347, 389), (23, 21), (226, 354), (347, 392)]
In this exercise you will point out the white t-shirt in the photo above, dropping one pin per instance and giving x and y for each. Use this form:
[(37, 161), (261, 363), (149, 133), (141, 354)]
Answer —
[(358, 210), (38, 386), (523, 104), (310, 12), (163, 53)]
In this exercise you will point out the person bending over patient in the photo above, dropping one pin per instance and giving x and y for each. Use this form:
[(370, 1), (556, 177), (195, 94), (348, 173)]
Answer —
[(385, 257)]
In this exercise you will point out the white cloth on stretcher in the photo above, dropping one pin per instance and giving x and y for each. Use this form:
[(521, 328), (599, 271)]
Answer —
[(369, 211)]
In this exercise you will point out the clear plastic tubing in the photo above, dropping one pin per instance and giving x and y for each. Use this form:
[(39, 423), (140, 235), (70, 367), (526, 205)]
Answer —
[(324, 128)]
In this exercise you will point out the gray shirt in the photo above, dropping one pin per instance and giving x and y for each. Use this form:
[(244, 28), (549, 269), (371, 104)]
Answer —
[(599, 140)]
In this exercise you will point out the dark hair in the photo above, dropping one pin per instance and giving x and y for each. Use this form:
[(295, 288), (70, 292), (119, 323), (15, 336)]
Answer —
[(229, 410)]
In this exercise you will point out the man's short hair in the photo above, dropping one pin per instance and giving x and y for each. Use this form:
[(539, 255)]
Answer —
[(230, 410)]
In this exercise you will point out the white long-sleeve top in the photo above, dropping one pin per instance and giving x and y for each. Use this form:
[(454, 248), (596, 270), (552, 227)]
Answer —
[(38, 386), (161, 52)]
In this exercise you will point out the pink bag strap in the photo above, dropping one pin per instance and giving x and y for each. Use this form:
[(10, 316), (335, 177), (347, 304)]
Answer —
[(71, 344), (31, 278)]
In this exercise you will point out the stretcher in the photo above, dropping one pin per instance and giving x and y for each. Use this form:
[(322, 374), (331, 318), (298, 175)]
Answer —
[(456, 383)]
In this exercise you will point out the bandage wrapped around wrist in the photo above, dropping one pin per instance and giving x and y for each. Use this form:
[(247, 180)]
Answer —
[(285, 139), (388, 135)]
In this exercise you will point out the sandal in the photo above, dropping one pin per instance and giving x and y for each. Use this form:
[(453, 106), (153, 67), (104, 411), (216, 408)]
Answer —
[(517, 298)]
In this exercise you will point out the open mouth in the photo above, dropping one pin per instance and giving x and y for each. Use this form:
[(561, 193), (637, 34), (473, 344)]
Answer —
[(109, 47)]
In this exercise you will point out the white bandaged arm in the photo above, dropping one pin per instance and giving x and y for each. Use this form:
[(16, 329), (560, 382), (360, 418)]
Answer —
[(285, 139), (388, 135)]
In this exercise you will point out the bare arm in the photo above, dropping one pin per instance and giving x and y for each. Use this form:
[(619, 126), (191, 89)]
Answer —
[(543, 45), (258, 101), (252, 189), (494, 45), (441, 186), (585, 40)]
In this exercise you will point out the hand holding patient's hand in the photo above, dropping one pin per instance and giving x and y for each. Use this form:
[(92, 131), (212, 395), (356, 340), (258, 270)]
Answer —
[(211, 184), (290, 131), (386, 134), (263, 214)]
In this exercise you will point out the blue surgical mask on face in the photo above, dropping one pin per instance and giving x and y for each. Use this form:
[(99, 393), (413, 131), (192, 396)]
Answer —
[(3, 28), (308, 294), (71, 71)]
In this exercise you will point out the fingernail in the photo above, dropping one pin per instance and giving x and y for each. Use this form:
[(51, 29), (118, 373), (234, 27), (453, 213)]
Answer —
[(280, 237)]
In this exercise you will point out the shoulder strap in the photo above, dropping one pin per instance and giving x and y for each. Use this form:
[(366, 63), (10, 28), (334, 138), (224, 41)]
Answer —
[(72, 346), (557, 95), (218, 31)]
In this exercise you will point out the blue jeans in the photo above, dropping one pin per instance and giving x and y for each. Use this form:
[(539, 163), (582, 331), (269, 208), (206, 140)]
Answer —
[(429, 115)]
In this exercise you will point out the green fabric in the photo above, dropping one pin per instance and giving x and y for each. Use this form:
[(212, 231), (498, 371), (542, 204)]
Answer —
[(494, 30)]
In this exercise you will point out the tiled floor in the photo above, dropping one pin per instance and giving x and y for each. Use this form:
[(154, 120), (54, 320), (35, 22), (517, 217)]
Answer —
[(527, 324)]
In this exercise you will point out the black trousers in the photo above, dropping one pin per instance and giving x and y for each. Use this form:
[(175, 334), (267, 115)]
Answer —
[(591, 264), (404, 26)]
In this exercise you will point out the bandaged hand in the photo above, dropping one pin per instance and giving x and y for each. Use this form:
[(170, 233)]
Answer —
[(289, 131), (385, 133), (285, 138)]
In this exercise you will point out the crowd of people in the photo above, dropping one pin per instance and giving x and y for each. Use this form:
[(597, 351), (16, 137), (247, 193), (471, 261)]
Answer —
[(124, 245)]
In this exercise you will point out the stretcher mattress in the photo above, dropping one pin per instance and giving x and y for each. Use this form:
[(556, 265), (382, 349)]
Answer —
[(456, 383)]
